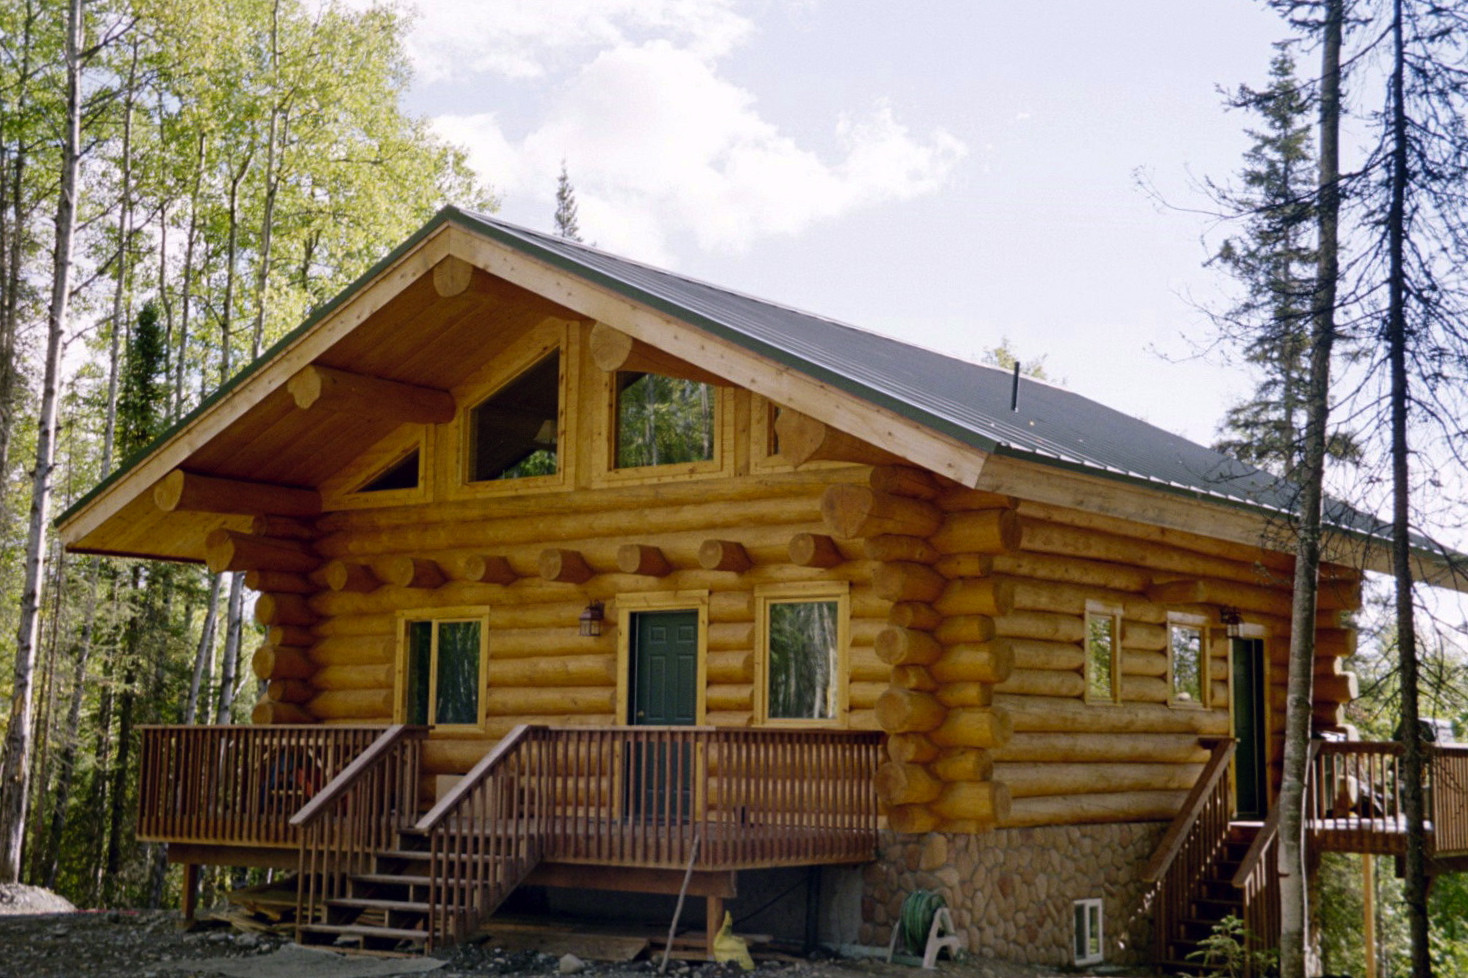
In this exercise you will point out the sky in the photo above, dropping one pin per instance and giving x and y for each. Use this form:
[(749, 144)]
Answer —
[(948, 172)]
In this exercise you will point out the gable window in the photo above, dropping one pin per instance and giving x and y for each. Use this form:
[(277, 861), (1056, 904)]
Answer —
[(663, 420), (441, 670), (802, 632), (402, 474), (513, 433), (1187, 662), (1103, 654)]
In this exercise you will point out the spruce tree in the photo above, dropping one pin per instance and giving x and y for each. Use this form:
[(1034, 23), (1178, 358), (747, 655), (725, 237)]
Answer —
[(566, 225)]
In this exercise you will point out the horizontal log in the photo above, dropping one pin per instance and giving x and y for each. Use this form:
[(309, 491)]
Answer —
[(352, 704), (729, 718), (1030, 780), (905, 784), (858, 511), (268, 712), (283, 609), (343, 575), (1141, 635), (956, 498), (864, 666), (985, 531), (1336, 642), (349, 649), (1057, 714), (1031, 747), (914, 614), (481, 569), (965, 628), (1045, 625), (1073, 570), (1033, 654), (731, 667), (639, 558), (992, 597), (913, 677), (973, 727), (962, 695), (985, 802), (613, 350), (564, 566), (229, 550), (284, 527), (1145, 689), (191, 492), (365, 675), (723, 555), (907, 646), (289, 635), (864, 695), (911, 748), (558, 670), (551, 702), (964, 565), (736, 635), (893, 547), (976, 662), (1245, 597), (729, 696), (281, 662), (908, 711), (1071, 599), (964, 764), (905, 480), (1118, 806), (413, 572), (911, 819), (278, 582), (814, 550), (904, 582), (374, 398), (290, 690), (1043, 682), (1337, 689), (803, 439), (1143, 663)]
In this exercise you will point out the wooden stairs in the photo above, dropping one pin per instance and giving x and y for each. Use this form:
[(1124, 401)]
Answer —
[(1213, 897)]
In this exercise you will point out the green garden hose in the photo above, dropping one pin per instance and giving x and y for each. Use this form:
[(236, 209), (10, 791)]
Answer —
[(916, 919)]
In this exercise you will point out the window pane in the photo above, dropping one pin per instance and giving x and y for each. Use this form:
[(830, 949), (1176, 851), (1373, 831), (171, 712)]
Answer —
[(802, 661), (1186, 645), (513, 433), (1100, 646), (402, 474), (458, 672), (663, 420), (420, 657)]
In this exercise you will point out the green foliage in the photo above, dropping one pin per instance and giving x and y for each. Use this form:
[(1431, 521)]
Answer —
[(1004, 357), (566, 225), (802, 658), (1225, 953), (663, 420)]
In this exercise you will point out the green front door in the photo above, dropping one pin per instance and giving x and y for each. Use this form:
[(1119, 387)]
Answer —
[(664, 693), (1250, 760)]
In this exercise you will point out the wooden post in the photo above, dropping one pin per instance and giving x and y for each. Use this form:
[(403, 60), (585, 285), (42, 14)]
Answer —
[(713, 920), (190, 895), (1368, 910)]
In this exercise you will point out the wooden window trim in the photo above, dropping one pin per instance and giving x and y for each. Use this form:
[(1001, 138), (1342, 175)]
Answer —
[(803, 592), (400, 669), (344, 490), (625, 606), (1198, 623), (1096, 610), (606, 472)]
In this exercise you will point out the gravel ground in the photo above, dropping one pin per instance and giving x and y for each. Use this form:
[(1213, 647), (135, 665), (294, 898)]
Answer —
[(41, 937)]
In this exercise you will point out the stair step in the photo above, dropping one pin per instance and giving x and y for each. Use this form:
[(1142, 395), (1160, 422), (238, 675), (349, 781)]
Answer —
[(411, 854), (374, 903), (363, 930), (400, 879)]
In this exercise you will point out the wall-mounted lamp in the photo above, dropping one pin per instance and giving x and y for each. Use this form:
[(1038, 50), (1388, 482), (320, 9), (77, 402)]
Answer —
[(592, 618), (1233, 622)]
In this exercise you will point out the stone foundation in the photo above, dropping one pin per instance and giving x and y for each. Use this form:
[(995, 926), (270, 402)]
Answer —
[(1011, 891)]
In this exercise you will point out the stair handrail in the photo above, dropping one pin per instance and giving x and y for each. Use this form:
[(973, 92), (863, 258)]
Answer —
[(485, 834), (1267, 833), (369, 801), (1177, 833)]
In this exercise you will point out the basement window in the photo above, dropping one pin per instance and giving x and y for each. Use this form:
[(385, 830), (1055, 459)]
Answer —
[(513, 433), (1088, 939), (1187, 663), (441, 671), (663, 420), (1103, 654)]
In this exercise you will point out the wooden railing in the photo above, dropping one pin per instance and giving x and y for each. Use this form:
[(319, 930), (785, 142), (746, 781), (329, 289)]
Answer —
[(1257, 880), (662, 797), (1449, 773), (1190, 845), (485, 835), (357, 813), (237, 785), (1354, 797)]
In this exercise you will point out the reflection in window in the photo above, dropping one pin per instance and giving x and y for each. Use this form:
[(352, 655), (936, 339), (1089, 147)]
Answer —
[(663, 420), (443, 672), (802, 660), (402, 474), (1103, 634), (1185, 650), (512, 434)]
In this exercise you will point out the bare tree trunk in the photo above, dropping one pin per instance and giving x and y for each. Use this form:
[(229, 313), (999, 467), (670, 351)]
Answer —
[(124, 269), (185, 301), (234, 624), (1294, 911), (14, 801), (204, 658), (14, 223)]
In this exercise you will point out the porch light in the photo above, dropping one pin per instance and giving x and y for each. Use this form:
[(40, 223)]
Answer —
[(1232, 621), (592, 618)]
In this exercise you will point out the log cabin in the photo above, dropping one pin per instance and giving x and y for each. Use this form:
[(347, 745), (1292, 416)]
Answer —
[(576, 572)]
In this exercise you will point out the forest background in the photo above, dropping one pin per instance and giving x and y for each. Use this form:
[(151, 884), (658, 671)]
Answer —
[(183, 183)]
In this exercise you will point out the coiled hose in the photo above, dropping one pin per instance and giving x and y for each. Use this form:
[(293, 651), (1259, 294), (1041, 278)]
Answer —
[(916, 919)]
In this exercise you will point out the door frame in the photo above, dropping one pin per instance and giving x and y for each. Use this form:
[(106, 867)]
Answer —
[(627, 605), (1252, 635)]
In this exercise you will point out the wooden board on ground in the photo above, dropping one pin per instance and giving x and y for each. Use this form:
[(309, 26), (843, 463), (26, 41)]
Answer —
[(275, 901), (589, 941)]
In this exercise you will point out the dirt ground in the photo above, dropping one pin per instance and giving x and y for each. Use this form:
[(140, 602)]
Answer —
[(41, 936)]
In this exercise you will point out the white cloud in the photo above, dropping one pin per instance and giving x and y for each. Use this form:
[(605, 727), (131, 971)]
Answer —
[(657, 141)]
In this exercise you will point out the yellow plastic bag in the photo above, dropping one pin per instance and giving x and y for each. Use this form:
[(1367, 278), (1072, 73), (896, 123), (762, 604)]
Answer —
[(727, 947)]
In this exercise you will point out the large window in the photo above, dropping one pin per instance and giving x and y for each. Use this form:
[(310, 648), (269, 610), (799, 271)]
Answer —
[(663, 420), (1187, 662), (442, 662), (513, 433), (802, 633), (1103, 654)]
